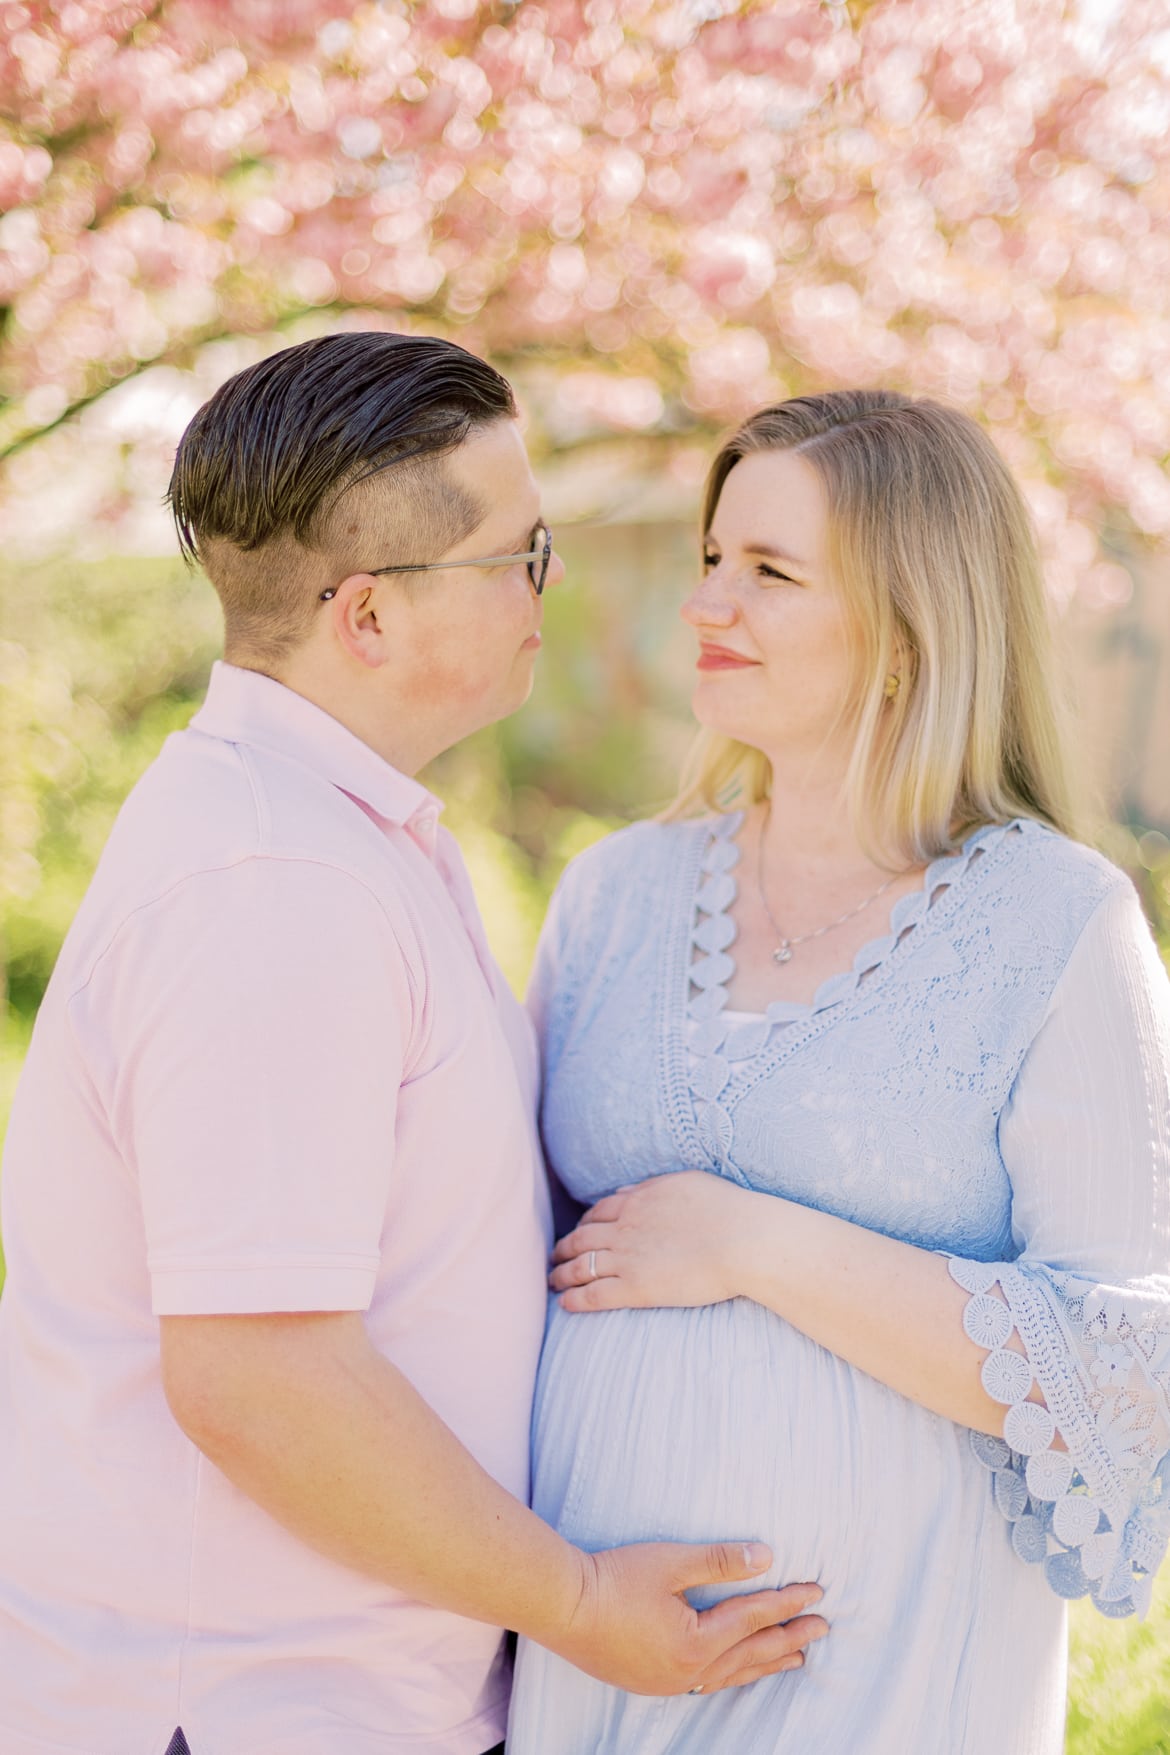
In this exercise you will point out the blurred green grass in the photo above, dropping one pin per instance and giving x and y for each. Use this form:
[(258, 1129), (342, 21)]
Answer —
[(1119, 1681), (94, 677)]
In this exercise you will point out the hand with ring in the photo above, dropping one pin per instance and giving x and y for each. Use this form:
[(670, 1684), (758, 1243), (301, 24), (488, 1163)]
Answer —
[(669, 1241)]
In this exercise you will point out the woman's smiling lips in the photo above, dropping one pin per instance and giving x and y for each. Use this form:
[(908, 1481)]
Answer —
[(721, 658)]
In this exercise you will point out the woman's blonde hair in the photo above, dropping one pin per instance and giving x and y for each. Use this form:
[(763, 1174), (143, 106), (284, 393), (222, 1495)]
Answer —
[(933, 547)]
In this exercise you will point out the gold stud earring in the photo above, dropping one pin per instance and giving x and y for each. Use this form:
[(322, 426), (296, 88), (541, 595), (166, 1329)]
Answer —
[(893, 684)]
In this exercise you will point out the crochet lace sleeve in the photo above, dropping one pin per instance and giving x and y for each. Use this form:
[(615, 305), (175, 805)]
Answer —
[(1083, 1475)]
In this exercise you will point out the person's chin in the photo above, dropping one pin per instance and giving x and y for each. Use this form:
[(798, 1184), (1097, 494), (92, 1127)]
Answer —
[(522, 681), (527, 688), (712, 715)]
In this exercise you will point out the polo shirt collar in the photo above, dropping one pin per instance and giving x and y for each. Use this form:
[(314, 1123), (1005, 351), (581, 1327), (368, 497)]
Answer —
[(242, 706)]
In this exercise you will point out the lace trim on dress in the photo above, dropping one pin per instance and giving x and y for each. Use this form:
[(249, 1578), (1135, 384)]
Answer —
[(720, 1049), (1097, 1515)]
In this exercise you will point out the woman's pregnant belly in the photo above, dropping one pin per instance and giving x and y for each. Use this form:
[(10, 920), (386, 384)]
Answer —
[(724, 1423)]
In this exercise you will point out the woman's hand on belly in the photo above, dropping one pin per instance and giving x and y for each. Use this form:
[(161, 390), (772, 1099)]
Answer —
[(887, 1307), (668, 1241)]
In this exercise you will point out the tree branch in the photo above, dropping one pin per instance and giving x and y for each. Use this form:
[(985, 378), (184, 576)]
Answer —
[(167, 356)]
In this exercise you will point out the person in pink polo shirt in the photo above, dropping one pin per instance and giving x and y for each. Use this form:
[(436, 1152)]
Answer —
[(273, 1206)]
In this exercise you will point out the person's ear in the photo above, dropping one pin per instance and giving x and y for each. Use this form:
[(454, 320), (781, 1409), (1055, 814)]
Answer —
[(359, 611)]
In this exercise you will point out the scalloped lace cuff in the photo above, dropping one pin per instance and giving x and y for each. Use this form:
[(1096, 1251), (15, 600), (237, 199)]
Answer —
[(1095, 1516)]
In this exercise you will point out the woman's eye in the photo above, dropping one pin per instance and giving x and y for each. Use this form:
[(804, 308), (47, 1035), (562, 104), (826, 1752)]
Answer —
[(709, 561), (774, 573)]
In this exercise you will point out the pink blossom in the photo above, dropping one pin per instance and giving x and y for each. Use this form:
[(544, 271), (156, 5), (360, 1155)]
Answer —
[(719, 202)]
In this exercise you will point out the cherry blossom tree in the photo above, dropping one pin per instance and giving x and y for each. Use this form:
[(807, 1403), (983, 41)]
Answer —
[(662, 211), (654, 214)]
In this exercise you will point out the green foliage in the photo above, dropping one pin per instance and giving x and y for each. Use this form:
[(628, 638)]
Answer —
[(1119, 1681), (100, 661), (97, 664), (1147, 855)]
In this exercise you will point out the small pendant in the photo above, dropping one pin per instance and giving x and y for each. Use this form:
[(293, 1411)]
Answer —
[(784, 953)]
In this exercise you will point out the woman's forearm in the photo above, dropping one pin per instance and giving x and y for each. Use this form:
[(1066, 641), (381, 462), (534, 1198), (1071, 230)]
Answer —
[(690, 1238), (887, 1307)]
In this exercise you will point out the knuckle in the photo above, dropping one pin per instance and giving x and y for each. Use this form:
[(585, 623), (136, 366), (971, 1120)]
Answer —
[(773, 1645), (694, 1656), (803, 1631), (758, 1615), (719, 1561)]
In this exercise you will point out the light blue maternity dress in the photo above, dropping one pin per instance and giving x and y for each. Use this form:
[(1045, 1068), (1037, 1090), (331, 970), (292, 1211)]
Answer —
[(990, 1081)]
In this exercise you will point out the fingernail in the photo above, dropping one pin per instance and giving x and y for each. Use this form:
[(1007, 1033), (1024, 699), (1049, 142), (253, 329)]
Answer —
[(811, 1594), (756, 1557), (792, 1663)]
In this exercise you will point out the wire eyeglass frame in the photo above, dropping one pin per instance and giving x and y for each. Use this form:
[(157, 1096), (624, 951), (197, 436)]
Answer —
[(536, 574)]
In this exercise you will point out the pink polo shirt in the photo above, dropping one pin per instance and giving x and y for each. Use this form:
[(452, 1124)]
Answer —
[(276, 1069)]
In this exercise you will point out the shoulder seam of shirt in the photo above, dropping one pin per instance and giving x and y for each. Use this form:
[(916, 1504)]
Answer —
[(412, 975), (603, 859), (259, 798), (1117, 885), (239, 750)]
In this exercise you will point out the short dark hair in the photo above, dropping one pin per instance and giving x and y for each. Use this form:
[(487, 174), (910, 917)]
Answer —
[(262, 468)]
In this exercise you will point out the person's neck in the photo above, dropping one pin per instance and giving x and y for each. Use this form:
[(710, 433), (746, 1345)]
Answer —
[(406, 746), (808, 829)]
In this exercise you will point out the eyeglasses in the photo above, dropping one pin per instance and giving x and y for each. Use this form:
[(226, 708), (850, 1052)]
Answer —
[(537, 559)]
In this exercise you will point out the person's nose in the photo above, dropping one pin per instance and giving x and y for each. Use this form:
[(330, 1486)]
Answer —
[(710, 604)]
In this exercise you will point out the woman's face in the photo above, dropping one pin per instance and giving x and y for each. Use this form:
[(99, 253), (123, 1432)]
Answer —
[(774, 667)]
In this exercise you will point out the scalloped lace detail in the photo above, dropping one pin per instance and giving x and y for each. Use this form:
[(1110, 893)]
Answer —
[(721, 1050), (1095, 1516), (881, 1103)]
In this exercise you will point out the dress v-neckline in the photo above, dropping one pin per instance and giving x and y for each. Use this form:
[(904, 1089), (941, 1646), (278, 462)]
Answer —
[(696, 1041)]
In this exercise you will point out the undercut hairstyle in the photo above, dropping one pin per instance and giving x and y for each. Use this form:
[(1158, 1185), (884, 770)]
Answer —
[(932, 548), (323, 460)]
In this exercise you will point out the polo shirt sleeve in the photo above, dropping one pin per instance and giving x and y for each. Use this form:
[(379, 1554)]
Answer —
[(258, 1015)]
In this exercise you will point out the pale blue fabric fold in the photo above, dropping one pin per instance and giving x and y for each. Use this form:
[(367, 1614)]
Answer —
[(922, 1096)]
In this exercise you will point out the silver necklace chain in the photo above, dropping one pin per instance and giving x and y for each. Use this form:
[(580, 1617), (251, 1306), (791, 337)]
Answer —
[(786, 946)]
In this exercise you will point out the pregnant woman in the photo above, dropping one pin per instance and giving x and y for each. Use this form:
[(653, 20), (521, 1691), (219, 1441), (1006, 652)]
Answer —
[(860, 1063)]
